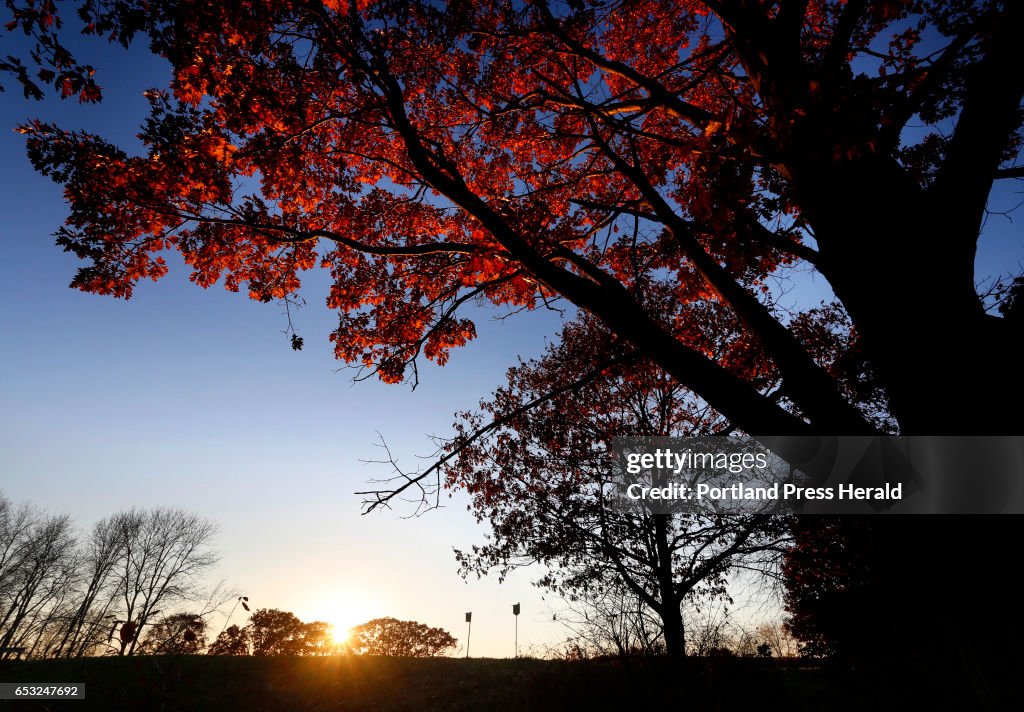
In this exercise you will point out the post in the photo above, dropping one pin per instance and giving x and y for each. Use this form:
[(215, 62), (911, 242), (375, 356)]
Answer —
[(469, 630), (515, 612)]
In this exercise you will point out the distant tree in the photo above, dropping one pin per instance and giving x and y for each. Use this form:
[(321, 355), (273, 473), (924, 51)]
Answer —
[(276, 632), (164, 555), (38, 572), (609, 620), (178, 634), (231, 641), (713, 631), (777, 637), (86, 625), (396, 638), (317, 639), (271, 631), (61, 596)]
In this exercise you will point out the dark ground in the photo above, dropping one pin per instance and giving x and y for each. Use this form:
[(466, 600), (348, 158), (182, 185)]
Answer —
[(222, 684)]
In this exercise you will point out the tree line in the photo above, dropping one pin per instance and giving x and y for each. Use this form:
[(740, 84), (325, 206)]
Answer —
[(276, 632), (67, 594), (134, 584)]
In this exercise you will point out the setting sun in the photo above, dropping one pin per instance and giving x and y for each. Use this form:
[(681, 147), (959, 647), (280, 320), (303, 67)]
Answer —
[(344, 610)]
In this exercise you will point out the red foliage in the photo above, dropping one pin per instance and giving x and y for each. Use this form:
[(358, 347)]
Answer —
[(428, 156)]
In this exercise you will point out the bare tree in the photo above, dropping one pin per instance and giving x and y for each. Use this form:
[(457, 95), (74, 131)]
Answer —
[(63, 598), (609, 620), (712, 630), (164, 554), (85, 626), (779, 640), (36, 570)]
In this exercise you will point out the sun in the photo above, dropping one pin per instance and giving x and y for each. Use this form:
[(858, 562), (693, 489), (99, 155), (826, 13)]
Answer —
[(340, 637), (345, 609)]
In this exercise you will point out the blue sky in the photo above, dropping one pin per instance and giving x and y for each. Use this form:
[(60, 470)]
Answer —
[(193, 398)]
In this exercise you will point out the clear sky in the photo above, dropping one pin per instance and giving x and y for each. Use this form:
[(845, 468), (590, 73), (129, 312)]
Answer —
[(193, 398)]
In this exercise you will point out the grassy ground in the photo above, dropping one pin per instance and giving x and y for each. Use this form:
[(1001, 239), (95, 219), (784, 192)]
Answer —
[(223, 684)]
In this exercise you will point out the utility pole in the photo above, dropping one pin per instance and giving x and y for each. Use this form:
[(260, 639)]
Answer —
[(469, 629)]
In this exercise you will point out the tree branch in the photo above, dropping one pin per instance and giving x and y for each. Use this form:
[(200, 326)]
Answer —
[(383, 497), (808, 384), (990, 114)]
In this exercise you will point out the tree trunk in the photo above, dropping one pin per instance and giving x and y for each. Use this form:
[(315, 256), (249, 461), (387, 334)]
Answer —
[(671, 616), (903, 266)]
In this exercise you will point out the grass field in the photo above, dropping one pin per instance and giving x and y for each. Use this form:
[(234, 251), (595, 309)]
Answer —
[(222, 684)]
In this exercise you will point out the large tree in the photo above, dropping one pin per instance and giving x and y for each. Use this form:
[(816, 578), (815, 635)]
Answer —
[(429, 155), (542, 482)]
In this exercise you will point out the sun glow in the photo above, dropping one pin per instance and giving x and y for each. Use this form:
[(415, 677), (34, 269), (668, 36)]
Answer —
[(346, 609)]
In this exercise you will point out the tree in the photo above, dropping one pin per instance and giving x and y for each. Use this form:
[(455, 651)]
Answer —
[(587, 151), (276, 632), (271, 631), (395, 638), (608, 620), (87, 622), (776, 638), (64, 597), (164, 555), (841, 578), (37, 573), (540, 481), (231, 641), (177, 634), (317, 639)]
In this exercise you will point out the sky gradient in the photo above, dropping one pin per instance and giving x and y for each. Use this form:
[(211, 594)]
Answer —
[(193, 398)]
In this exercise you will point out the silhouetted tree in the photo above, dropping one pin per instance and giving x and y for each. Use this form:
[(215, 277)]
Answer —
[(395, 638), (432, 155), (609, 619), (842, 579), (232, 641), (164, 555), (86, 625), (37, 573), (276, 632), (177, 634), (60, 597), (540, 481), (715, 136), (778, 638)]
